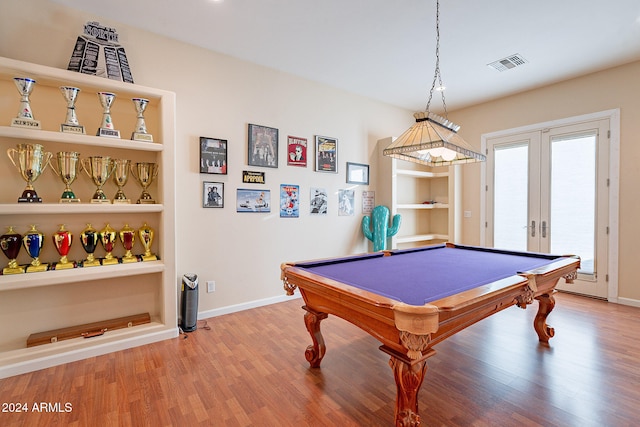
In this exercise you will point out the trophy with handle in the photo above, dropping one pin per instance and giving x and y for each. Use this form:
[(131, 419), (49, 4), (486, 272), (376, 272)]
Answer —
[(62, 240), (25, 115), (144, 173), (32, 242), (140, 133), (147, 234), (71, 124), (108, 238), (30, 160), (89, 238), (128, 237), (66, 167), (99, 169), (121, 176), (11, 242)]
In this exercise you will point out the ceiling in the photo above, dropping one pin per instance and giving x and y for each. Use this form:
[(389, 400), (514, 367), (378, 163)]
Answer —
[(385, 49)]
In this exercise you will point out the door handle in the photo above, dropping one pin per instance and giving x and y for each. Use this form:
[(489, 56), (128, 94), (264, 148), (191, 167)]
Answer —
[(533, 229), (543, 229)]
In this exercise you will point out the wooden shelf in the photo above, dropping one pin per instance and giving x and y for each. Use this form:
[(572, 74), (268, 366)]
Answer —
[(422, 206)]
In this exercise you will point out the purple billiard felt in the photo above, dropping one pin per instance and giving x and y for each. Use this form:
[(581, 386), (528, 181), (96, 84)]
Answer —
[(419, 276)]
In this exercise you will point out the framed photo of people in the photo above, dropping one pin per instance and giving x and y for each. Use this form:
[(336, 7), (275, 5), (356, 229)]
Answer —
[(213, 155), (326, 154), (213, 194), (263, 146)]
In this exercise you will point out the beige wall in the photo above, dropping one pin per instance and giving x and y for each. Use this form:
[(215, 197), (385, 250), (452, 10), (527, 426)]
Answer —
[(614, 88)]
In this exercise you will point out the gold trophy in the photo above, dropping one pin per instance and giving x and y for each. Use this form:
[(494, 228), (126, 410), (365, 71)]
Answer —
[(140, 133), (32, 242), (10, 243), (25, 115), (99, 169), (31, 161), (71, 124), (146, 234), (127, 237), (62, 240), (145, 173), (89, 239), (67, 169), (121, 176), (106, 128), (108, 238)]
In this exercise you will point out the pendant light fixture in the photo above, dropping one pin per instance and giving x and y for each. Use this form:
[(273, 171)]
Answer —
[(433, 140)]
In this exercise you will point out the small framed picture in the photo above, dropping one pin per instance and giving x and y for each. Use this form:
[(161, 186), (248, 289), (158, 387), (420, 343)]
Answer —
[(213, 155), (213, 194), (263, 146), (326, 154), (289, 201), (296, 151), (357, 173), (249, 200)]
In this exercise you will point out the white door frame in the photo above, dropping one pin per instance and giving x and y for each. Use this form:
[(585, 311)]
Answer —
[(614, 183)]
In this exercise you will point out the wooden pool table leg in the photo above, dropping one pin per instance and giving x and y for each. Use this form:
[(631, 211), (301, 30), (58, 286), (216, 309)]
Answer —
[(315, 352), (546, 303), (409, 377)]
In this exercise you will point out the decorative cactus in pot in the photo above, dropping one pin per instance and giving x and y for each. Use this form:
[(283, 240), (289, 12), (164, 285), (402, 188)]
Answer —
[(381, 230)]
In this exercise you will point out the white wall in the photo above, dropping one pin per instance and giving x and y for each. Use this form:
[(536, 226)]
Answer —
[(217, 96)]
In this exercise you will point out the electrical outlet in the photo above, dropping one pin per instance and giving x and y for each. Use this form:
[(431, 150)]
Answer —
[(211, 285)]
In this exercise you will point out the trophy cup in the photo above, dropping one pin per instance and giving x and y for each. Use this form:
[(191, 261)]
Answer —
[(71, 124), (140, 133), (25, 116), (62, 240), (31, 161), (89, 240), (121, 176), (145, 173), (127, 237), (99, 169), (108, 238), (32, 242), (146, 238), (67, 169), (10, 243), (107, 129)]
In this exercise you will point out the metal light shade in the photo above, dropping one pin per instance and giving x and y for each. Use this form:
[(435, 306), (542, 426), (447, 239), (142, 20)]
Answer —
[(433, 141)]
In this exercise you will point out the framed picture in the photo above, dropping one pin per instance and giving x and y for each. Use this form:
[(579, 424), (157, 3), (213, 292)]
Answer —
[(263, 146), (357, 173), (289, 201), (318, 201), (296, 151), (346, 202), (213, 155), (326, 154), (249, 200), (213, 194)]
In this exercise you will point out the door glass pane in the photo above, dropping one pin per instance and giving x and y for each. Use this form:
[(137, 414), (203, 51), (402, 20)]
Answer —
[(511, 185), (573, 199)]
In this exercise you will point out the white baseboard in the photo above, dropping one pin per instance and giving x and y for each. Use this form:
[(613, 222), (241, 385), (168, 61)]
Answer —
[(244, 306), (628, 301)]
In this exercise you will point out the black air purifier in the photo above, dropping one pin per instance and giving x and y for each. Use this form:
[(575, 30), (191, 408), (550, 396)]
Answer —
[(189, 310)]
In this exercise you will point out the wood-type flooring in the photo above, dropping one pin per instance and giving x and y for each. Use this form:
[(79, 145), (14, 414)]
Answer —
[(248, 369)]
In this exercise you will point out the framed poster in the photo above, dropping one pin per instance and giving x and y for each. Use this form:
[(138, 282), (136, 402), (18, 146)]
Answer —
[(346, 201), (357, 173), (248, 200), (289, 201), (296, 151), (318, 201), (263, 146), (213, 194), (213, 155), (326, 154)]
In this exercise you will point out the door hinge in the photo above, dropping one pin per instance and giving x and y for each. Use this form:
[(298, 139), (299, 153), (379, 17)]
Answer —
[(609, 134), (608, 182), (606, 277), (607, 230), (486, 224)]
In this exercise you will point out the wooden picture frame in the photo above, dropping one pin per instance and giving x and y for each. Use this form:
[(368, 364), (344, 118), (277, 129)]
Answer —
[(213, 155), (212, 194), (262, 144), (326, 154), (357, 173)]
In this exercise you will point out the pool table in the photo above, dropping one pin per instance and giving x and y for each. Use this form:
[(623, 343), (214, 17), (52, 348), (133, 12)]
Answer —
[(412, 299)]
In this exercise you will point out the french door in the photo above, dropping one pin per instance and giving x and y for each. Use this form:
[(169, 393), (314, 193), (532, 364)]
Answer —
[(547, 191)]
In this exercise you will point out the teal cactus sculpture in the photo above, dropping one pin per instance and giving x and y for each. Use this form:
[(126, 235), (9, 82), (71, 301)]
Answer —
[(381, 230)]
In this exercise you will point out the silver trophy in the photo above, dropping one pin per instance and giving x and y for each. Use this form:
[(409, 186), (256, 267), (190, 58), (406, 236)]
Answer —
[(25, 115), (71, 124), (106, 128), (99, 169), (140, 133), (31, 161), (145, 173), (121, 176), (66, 167)]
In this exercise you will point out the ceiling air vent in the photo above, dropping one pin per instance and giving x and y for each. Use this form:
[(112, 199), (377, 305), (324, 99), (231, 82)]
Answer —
[(511, 61)]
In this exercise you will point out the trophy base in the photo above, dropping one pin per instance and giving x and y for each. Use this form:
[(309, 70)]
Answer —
[(14, 270), (26, 123), (37, 268), (137, 136), (146, 202), (129, 259), (101, 201), (109, 133), (121, 201), (77, 129), (67, 200), (29, 196), (151, 257), (110, 261), (93, 263), (64, 265)]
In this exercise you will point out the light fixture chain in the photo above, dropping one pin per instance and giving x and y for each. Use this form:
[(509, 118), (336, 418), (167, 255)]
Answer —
[(437, 76)]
